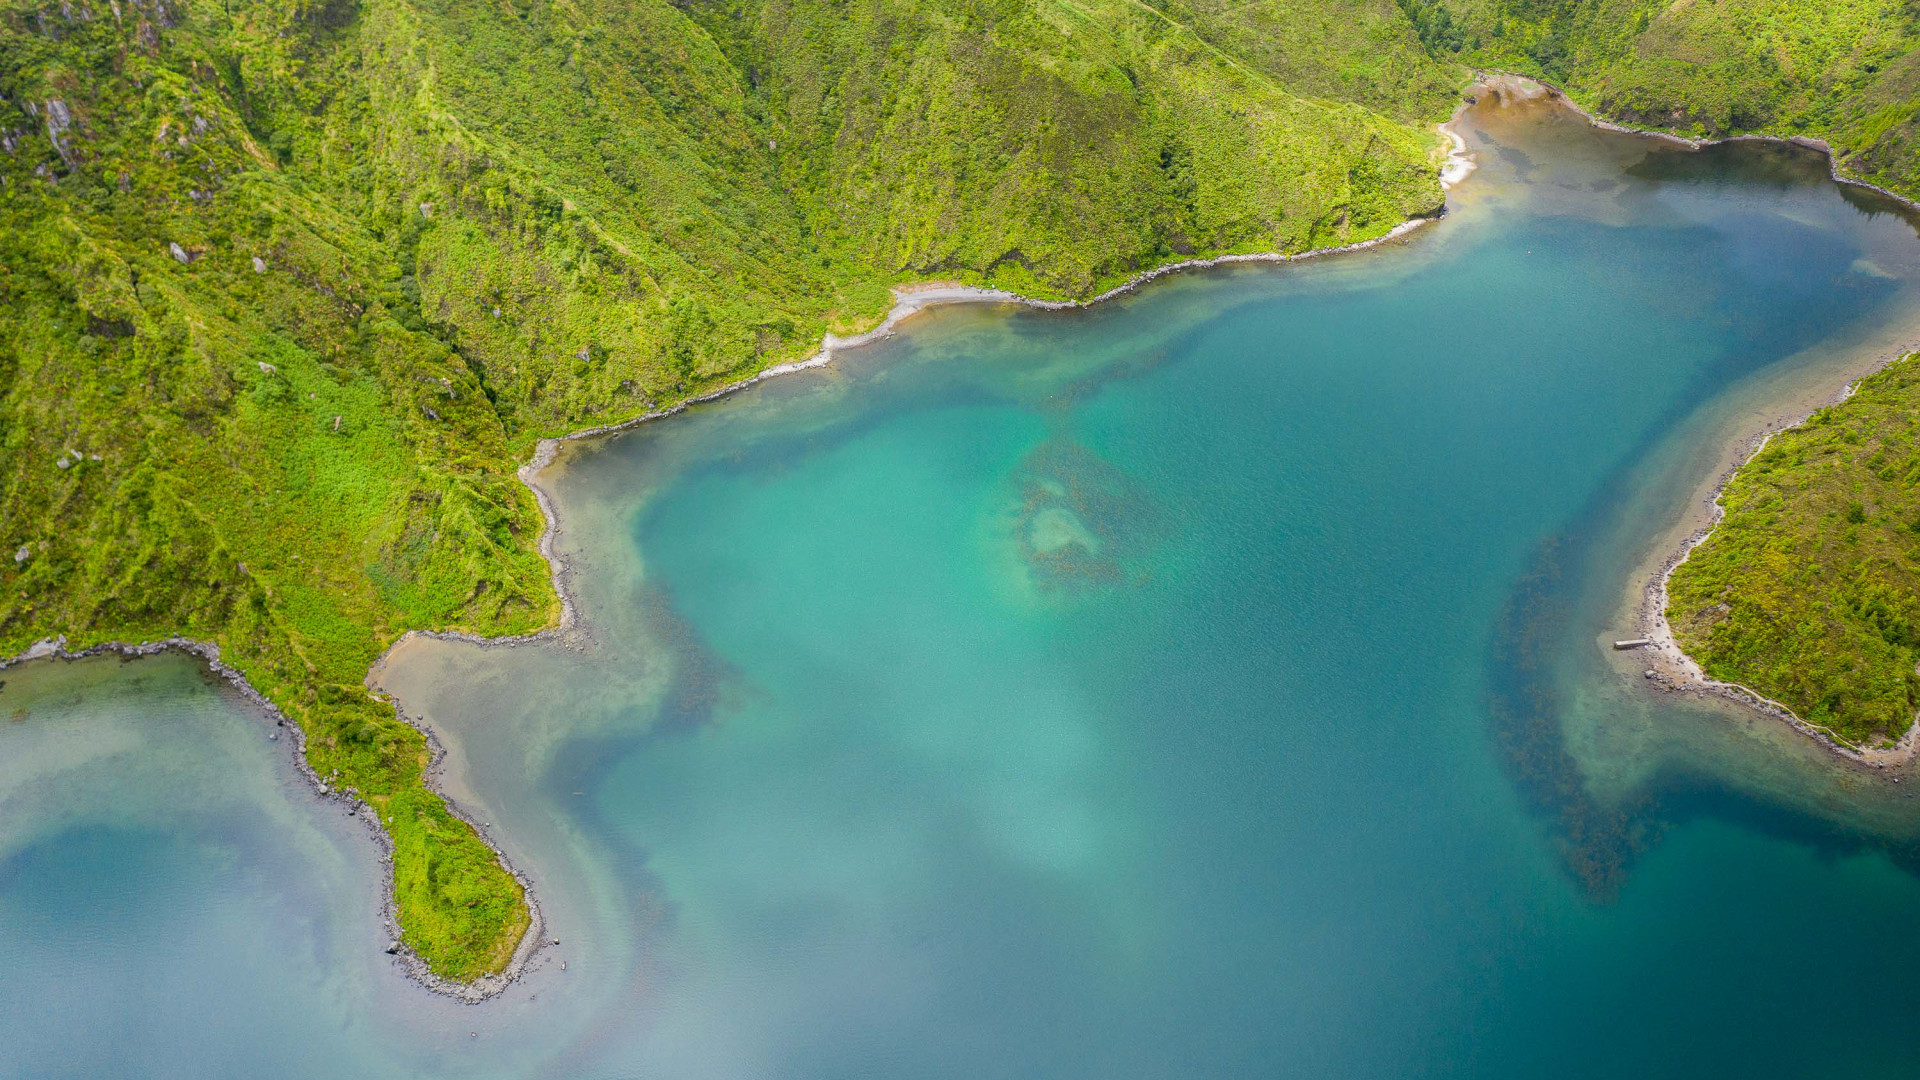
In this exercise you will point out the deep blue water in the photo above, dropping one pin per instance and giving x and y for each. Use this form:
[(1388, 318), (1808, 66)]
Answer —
[(1210, 684)]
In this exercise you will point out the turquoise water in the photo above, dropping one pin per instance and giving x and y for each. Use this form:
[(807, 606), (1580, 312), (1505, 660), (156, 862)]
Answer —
[(1210, 684)]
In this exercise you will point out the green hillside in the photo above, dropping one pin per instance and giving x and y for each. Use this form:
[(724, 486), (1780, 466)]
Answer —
[(1844, 72), (295, 286)]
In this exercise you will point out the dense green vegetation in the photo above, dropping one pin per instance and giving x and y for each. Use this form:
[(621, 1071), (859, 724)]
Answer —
[(1809, 589), (1844, 72), (293, 285)]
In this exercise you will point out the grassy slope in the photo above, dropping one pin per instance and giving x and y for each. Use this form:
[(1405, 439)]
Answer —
[(480, 224), (1361, 52)]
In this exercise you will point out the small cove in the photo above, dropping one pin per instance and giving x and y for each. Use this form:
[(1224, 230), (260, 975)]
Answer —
[(1204, 684)]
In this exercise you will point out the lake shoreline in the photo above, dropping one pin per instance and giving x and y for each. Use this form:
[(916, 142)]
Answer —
[(909, 300), (478, 990), (567, 631), (1497, 80), (1672, 669)]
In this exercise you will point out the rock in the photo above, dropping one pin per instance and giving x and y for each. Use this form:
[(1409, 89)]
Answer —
[(392, 947), (21, 555), (259, 265), (268, 368), (179, 253), (59, 120), (431, 415), (1649, 673), (63, 463), (496, 313)]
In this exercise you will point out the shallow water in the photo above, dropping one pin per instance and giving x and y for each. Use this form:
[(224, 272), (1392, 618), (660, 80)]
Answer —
[(1209, 684)]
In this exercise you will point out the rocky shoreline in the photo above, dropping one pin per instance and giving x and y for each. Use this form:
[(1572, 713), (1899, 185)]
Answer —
[(1507, 80), (416, 968), (1671, 669)]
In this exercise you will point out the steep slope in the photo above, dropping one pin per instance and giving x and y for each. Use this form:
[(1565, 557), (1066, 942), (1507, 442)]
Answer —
[(1843, 72), (1361, 51), (295, 285)]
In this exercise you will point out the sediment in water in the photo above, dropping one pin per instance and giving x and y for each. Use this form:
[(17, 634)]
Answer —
[(1529, 87)]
